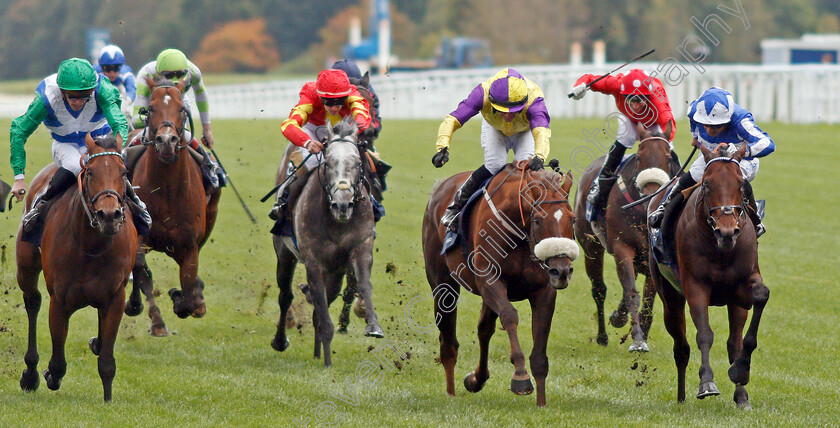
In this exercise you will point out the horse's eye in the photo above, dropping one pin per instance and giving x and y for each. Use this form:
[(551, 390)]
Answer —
[(537, 221)]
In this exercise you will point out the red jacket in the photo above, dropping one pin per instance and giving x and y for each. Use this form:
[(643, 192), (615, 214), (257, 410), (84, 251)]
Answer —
[(310, 109), (659, 111)]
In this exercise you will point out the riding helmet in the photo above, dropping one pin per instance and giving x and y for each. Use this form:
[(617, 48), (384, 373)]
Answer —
[(76, 74)]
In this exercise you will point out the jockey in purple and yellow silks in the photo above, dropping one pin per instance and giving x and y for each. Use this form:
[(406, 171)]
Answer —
[(514, 118)]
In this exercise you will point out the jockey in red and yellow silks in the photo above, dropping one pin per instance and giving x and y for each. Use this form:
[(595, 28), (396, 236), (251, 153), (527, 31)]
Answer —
[(641, 99)]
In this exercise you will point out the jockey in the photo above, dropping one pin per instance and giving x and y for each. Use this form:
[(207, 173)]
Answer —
[(716, 121), (172, 64), (325, 101), (71, 103), (514, 118), (356, 78), (640, 99), (112, 65)]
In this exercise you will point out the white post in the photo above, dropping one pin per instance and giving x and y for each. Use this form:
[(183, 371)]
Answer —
[(599, 53), (354, 36), (384, 45), (576, 54)]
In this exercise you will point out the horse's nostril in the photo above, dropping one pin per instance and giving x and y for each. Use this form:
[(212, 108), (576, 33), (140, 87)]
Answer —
[(349, 205), (334, 206), (553, 272)]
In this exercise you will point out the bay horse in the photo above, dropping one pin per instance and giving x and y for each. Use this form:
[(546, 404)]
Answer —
[(716, 265), (87, 250), (623, 233), (170, 184), (333, 227), (519, 245)]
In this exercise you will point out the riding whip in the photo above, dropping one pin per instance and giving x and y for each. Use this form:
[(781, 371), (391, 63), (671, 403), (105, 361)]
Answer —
[(661, 188), (232, 186), (571, 94), (268, 195)]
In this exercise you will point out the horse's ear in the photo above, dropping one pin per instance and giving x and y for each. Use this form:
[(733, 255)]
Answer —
[(707, 154), (640, 129), (89, 143), (150, 82), (742, 151), (181, 85), (366, 79)]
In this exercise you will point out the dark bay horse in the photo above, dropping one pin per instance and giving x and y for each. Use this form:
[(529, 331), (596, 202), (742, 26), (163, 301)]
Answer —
[(170, 184), (87, 251), (333, 225), (717, 265), (623, 233), (519, 246)]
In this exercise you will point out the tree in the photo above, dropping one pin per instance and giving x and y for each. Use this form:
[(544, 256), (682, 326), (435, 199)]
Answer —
[(238, 46)]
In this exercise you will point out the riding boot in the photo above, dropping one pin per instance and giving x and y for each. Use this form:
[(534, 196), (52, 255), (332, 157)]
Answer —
[(61, 181), (752, 210), (5, 188), (463, 194), (382, 169), (289, 194), (132, 154), (210, 170), (598, 195), (139, 212), (655, 218)]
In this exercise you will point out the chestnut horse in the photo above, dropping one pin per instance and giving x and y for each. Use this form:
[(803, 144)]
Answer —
[(717, 265), (623, 233), (87, 251), (170, 184), (333, 225), (518, 246)]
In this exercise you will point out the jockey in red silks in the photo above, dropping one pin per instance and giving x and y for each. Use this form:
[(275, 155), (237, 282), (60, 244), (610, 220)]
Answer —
[(325, 101), (641, 99)]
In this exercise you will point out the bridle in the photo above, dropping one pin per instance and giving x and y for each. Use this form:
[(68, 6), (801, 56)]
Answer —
[(89, 202), (736, 211), (179, 130), (329, 187)]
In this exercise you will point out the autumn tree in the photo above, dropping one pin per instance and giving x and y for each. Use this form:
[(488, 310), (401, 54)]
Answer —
[(238, 46)]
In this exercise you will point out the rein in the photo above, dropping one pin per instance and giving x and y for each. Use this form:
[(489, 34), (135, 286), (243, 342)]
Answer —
[(724, 209), (342, 185), (148, 140), (88, 202)]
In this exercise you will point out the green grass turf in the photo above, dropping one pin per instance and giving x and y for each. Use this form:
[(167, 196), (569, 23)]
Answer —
[(221, 371)]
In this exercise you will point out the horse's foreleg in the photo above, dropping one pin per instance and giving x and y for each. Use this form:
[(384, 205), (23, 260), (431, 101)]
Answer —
[(349, 295), (286, 263), (143, 282), (446, 316), (495, 296), (698, 304), (737, 320), (109, 325), (189, 300), (58, 330), (594, 263), (324, 328), (542, 312), (629, 296), (648, 300), (486, 327), (739, 372), (28, 270), (361, 267)]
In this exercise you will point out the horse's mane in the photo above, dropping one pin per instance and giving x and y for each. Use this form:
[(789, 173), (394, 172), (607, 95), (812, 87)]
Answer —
[(162, 82), (345, 128), (107, 141)]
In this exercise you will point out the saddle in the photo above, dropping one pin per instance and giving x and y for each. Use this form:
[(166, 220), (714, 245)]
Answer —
[(463, 217)]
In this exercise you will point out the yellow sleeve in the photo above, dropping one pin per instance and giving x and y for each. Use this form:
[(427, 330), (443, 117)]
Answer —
[(541, 144), (447, 128)]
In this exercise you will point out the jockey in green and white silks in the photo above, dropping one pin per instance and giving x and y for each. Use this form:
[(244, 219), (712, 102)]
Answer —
[(71, 103)]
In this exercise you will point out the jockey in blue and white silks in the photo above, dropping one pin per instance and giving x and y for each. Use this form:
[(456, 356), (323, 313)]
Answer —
[(715, 120), (112, 65)]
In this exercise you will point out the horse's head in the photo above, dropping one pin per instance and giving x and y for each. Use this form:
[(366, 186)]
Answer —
[(167, 115), (102, 184), (343, 169), (544, 200), (722, 193), (654, 161)]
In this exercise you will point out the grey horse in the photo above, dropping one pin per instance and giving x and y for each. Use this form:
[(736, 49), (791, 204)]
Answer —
[(333, 226)]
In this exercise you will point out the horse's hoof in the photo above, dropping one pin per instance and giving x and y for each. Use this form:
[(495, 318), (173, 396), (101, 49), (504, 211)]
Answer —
[(744, 405), (602, 339), (707, 389), (200, 311), (359, 307), (521, 387), (277, 346), (641, 346), (738, 375), (29, 380), (618, 319), (342, 329), (132, 309), (95, 345), (159, 330), (472, 384), (53, 383), (374, 331)]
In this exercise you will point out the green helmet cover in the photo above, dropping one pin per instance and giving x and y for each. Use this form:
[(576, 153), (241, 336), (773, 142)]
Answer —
[(171, 60), (76, 74)]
